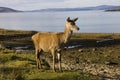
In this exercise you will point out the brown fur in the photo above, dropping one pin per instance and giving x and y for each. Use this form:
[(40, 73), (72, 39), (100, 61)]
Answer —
[(53, 42)]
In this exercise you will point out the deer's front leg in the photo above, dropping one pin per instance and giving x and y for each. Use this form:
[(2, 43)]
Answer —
[(53, 55), (59, 59)]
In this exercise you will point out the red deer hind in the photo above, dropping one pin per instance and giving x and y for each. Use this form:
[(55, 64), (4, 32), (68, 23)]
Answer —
[(53, 42)]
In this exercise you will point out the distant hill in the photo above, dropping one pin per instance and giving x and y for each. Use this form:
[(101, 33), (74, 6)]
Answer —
[(102, 7), (6, 10), (113, 10)]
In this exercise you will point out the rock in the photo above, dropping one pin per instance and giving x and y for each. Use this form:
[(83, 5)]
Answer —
[(118, 56), (1, 46), (80, 50), (111, 63), (94, 49), (77, 61), (109, 70), (101, 53)]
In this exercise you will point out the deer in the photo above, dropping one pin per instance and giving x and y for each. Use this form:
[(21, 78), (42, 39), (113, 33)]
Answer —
[(53, 42)]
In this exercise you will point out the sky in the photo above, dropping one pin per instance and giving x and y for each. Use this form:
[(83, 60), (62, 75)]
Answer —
[(43, 4)]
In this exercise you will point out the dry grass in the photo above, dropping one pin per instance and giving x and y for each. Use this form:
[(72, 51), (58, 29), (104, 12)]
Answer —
[(12, 32)]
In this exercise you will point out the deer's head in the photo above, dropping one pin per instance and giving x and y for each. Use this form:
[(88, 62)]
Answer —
[(70, 24)]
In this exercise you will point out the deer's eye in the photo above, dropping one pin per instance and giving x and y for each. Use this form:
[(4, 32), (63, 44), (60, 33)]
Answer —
[(72, 23)]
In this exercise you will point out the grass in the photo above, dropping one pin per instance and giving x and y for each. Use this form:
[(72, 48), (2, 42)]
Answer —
[(12, 32), (97, 35), (22, 67), (62, 76)]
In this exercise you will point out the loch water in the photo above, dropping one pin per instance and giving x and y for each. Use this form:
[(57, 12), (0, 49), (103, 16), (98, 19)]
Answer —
[(88, 22)]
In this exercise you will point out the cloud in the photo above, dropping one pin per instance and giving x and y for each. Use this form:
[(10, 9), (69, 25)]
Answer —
[(84, 3), (29, 4), (28, 1), (39, 4)]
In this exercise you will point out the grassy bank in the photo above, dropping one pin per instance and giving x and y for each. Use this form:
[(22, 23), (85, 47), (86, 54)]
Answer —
[(23, 66)]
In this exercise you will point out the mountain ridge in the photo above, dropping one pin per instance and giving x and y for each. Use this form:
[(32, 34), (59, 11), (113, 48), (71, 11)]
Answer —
[(101, 7), (8, 10)]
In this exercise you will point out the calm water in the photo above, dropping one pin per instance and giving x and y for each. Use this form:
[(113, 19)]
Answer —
[(89, 21)]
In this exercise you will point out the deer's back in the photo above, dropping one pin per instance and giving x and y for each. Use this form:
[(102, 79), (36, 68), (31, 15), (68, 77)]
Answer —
[(47, 41)]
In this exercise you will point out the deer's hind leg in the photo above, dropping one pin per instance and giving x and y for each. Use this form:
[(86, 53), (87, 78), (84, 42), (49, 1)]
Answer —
[(38, 60), (53, 55)]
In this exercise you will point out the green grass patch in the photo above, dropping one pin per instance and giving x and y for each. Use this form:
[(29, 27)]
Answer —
[(12, 32), (66, 75), (23, 67)]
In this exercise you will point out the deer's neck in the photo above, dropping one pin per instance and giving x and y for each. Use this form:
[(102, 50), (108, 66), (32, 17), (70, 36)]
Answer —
[(67, 35)]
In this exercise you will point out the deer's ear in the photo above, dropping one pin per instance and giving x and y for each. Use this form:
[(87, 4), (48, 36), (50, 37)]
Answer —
[(68, 19), (75, 19)]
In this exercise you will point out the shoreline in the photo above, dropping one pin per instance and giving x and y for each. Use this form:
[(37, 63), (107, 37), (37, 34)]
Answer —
[(23, 37), (15, 30)]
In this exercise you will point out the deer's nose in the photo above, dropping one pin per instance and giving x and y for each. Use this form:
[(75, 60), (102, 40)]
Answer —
[(78, 28)]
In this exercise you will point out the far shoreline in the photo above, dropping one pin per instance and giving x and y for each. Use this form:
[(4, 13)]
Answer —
[(15, 30)]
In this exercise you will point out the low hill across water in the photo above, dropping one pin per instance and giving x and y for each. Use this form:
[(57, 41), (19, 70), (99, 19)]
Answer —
[(101, 7), (6, 10), (113, 10)]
